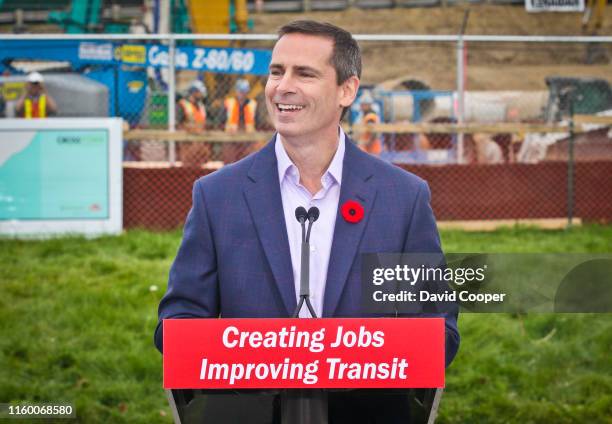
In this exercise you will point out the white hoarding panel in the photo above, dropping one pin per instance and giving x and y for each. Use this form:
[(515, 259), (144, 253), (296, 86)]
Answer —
[(60, 176)]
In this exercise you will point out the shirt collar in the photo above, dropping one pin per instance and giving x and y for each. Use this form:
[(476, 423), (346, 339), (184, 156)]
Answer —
[(287, 168)]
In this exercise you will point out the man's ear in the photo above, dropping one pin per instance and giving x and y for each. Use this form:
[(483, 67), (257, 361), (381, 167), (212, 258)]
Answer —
[(349, 91)]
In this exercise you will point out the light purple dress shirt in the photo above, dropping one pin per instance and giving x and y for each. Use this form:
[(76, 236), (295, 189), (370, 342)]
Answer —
[(294, 194)]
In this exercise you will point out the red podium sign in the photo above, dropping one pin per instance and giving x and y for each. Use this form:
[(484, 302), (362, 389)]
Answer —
[(303, 353)]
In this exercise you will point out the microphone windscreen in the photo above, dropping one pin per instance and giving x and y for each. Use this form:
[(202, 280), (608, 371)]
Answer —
[(313, 213), (301, 214)]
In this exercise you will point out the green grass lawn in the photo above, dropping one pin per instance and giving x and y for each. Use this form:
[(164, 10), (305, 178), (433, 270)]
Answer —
[(77, 319)]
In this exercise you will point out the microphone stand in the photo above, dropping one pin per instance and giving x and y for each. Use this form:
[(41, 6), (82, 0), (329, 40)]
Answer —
[(312, 215), (304, 406)]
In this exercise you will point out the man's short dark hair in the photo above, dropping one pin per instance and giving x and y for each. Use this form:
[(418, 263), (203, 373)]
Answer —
[(346, 56)]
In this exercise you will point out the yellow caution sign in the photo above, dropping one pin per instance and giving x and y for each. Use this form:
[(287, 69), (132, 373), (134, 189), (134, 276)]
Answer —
[(12, 90), (134, 54)]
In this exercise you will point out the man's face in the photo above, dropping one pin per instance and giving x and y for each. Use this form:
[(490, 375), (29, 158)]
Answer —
[(241, 95), (34, 88), (197, 96), (302, 95)]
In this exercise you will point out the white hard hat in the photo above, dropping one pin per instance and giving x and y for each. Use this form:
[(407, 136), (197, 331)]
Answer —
[(35, 77), (366, 97), (199, 86), (243, 85)]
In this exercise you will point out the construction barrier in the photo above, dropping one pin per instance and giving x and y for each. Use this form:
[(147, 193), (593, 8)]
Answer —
[(159, 198)]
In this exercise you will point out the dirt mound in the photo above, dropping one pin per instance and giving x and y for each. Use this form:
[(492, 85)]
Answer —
[(491, 66), (484, 19)]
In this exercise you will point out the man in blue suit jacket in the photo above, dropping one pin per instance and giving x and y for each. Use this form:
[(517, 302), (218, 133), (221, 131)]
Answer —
[(235, 258)]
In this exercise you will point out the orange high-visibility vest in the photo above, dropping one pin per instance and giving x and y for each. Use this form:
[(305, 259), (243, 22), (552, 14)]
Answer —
[(35, 108), (193, 114), (232, 110), (368, 141)]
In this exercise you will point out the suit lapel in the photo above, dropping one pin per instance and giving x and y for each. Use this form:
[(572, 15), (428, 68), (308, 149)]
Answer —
[(356, 185), (266, 207)]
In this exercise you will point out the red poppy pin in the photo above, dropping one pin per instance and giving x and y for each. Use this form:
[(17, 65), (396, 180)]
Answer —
[(352, 211)]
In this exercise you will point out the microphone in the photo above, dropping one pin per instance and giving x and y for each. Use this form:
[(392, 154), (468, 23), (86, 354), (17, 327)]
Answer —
[(301, 215), (313, 215)]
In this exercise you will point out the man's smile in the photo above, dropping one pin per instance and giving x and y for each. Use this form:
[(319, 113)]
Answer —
[(287, 108)]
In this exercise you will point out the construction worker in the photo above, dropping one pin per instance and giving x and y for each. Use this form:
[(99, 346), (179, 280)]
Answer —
[(35, 102), (240, 110), (191, 113), (191, 117), (368, 141), (239, 117)]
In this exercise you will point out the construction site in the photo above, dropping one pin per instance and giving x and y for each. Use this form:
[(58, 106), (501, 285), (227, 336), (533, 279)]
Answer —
[(465, 94)]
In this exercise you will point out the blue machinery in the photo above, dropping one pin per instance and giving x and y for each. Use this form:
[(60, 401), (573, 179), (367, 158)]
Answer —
[(408, 149), (126, 84), (416, 155), (121, 66)]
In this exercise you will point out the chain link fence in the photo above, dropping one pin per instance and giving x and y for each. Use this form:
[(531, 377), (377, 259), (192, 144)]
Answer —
[(500, 127)]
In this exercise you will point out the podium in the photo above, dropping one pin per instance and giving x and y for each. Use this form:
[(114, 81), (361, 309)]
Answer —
[(304, 371), (229, 406)]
